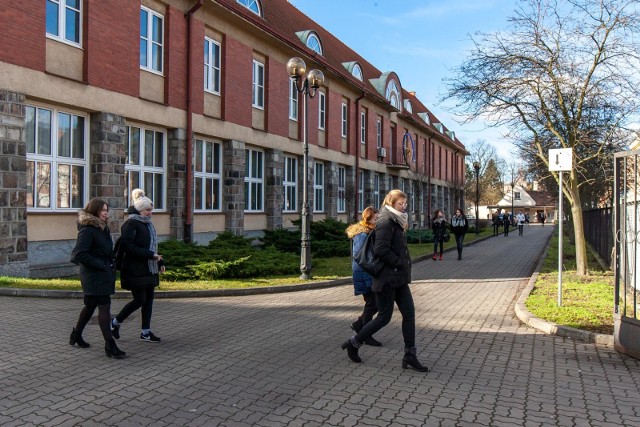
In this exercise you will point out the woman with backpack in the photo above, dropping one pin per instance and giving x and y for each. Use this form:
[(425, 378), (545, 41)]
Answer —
[(362, 281), (141, 265), (459, 226), (439, 228), (391, 285), (94, 254)]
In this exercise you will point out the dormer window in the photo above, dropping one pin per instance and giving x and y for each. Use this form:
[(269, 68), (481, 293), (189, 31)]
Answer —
[(313, 43), (408, 107), (393, 94), (357, 72), (311, 40), (252, 5), (425, 117)]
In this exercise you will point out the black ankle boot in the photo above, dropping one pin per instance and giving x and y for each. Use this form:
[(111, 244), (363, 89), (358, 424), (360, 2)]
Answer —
[(352, 351), (410, 360), (76, 338), (112, 350)]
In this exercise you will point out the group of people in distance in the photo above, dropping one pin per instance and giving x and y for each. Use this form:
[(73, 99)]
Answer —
[(141, 266)]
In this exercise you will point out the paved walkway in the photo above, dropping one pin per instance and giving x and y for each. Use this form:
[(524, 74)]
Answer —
[(275, 360)]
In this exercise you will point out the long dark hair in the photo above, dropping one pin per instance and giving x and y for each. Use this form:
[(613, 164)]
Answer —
[(94, 207), (435, 214)]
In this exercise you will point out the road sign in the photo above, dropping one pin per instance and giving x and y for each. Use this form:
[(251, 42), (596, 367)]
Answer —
[(560, 159)]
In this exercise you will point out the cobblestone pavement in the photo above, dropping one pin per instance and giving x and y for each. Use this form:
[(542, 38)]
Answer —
[(275, 360)]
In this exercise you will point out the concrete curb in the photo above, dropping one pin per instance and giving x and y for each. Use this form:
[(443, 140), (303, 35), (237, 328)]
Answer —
[(547, 327), (47, 293)]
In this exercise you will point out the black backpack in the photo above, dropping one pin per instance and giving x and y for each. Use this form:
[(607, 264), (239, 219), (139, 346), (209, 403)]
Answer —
[(119, 253), (365, 257)]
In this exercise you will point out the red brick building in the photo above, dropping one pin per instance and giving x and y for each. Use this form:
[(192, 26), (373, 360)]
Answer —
[(191, 100)]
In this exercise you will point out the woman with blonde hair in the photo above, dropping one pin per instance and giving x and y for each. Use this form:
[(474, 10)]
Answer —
[(362, 280), (392, 284), (141, 265)]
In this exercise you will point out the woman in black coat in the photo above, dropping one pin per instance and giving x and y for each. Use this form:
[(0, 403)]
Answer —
[(392, 284), (439, 228), (141, 265), (94, 253), (459, 226)]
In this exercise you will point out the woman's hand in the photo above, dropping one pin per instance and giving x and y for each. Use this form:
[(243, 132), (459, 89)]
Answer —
[(157, 257)]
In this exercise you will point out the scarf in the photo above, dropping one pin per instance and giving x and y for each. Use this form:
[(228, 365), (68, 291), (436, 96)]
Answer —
[(153, 244), (401, 217), (457, 221)]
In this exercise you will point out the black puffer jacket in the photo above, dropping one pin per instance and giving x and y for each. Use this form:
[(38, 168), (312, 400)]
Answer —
[(391, 249), (135, 240), (94, 253)]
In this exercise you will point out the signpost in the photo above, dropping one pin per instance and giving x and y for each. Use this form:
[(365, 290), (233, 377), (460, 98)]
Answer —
[(560, 160)]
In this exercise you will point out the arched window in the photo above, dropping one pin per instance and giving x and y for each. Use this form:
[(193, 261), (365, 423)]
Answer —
[(393, 94), (313, 43), (408, 107), (357, 72), (252, 5)]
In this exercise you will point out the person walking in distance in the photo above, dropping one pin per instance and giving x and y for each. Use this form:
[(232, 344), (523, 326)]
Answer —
[(506, 221), (93, 252), (362, 281), (439, 227), (392, 284), (141, 265), (520, 218), (543, 217), (459, 226), (496, 222)]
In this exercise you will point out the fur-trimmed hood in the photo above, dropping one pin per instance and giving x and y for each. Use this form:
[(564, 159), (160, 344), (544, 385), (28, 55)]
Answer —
[(357, 228), (87, 219)]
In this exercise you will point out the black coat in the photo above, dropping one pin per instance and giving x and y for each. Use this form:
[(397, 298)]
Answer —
[(439, 229), (391, 249), (460, 228), (94, 254), (135, 240)]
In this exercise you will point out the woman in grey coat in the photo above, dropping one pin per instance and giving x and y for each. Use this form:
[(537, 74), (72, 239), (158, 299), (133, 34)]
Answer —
[(94, 254)]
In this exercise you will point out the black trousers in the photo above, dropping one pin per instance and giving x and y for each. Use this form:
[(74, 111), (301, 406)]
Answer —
[(369, 310), (403, 298), (143, 300)]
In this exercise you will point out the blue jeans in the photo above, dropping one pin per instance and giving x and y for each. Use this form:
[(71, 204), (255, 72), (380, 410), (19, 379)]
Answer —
[(438, 241), (403, 298)]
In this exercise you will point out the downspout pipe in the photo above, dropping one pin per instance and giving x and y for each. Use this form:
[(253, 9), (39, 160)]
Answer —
[(357, 153), (188, 209)]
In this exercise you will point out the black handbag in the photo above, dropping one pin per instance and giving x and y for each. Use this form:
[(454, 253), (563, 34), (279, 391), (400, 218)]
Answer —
[(365, 257)]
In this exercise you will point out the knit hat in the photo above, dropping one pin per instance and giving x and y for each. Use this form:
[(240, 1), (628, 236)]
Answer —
[(140, 201)]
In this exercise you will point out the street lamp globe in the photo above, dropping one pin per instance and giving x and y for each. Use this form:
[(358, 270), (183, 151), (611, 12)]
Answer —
[(296, 67), (316, 78)]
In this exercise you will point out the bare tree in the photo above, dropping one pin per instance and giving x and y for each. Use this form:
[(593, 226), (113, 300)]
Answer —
[(562, 71)]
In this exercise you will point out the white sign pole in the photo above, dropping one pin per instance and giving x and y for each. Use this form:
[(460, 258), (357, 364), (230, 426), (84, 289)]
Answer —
[(560, 159), (560, 245)]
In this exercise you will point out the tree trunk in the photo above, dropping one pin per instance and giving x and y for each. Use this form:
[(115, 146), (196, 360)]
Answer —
[(578, 232)]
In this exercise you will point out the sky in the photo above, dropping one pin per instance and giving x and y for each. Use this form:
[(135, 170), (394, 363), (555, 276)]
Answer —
[(422, 41)]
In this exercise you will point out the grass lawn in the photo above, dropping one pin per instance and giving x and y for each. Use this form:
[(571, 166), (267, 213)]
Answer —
[(587, 302), (323, 269)]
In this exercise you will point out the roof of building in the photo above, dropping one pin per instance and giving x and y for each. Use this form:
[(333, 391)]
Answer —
[(284, 21)]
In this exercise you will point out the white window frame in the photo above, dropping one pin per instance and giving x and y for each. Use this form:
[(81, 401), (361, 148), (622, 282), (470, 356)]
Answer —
[(293, 100), (393, 94), (318, 187), (516, 195), (317, 46), (212, 66), (150, 58), (254, 180), (322, 110), (357, 72), (55, 160), (63, 8), (155, 189), (252, 5), (342, 189), (363, 127), (344, 119), (258, 77), (376, 190), (361, 191), (379, 133), (290, 184), (206, 173)]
